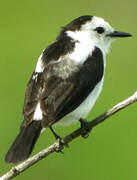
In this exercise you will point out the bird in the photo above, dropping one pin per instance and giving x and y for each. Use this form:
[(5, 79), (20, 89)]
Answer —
[(66, 82)]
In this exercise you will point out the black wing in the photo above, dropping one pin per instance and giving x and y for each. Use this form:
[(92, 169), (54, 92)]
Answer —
[(32, 96), (59, 96), (62, 96)]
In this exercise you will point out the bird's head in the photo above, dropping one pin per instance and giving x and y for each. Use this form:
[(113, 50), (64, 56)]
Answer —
[(93, 29)]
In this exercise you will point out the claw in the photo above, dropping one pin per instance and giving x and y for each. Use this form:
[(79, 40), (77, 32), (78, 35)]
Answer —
[(85, 129), (59, 149), (57, 137)]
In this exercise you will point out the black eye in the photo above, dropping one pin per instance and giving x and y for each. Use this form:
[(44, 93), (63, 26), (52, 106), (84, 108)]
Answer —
[(100, 30)]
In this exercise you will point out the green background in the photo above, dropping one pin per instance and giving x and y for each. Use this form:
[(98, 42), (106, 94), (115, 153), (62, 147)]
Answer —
[(26, 28)]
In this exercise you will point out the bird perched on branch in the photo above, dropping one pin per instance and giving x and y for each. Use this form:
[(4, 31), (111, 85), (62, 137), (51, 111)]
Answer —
[(66, 82)]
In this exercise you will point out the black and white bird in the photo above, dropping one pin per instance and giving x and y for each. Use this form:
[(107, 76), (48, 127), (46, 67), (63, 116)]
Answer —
[(66, 82)]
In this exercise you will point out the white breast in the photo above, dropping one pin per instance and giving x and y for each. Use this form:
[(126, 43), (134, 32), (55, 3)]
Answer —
[(85, 107)]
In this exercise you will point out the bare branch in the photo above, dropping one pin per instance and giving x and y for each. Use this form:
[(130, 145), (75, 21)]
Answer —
[(16, 170)]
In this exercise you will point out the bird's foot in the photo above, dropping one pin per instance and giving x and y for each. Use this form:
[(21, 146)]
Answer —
[(85, 129), (60, 140)]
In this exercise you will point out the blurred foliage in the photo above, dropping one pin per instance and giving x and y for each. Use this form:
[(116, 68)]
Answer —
[(27, 27)]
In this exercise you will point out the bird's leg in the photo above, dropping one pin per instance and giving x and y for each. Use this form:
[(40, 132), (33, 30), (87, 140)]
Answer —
[(55, 134), (57, 137), (85, 128)]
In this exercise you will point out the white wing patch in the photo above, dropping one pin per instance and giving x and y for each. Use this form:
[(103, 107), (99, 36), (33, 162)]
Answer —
[(38, 113), (34, 77), (39, 66)]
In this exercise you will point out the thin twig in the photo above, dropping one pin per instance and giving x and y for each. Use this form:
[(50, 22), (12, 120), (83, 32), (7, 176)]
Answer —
[(16, 170)]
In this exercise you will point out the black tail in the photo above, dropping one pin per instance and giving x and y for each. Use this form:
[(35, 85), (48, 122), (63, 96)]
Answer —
[(24, 143)]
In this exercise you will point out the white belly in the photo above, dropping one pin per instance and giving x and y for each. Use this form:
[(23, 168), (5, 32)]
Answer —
[(85, 107)]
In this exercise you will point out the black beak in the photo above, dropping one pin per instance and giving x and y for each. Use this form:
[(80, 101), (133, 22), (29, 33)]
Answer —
[(119, 34)]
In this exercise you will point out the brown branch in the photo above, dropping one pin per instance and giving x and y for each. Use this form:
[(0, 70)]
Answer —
[(57, 145)]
